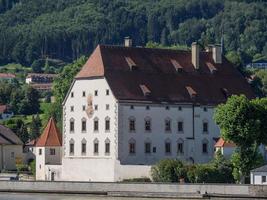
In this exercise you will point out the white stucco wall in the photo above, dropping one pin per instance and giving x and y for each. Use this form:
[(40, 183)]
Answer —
[(256, 178), (40, 164)]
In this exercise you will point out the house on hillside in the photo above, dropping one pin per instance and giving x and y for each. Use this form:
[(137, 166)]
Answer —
[(130, 107), (49, 153), (226, 148), (41, 82), (259, 176), (5, 112), (11, 149), (258, 64), (7, 76)]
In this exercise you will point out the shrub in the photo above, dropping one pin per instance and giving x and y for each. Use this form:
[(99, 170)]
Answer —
[(134, 180), (168, 170), (33, 167)]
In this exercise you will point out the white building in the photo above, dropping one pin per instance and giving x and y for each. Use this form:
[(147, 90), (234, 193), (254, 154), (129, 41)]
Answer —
[(10, 149), (130, 107), (48, 150), (259, 175), (226, 148)]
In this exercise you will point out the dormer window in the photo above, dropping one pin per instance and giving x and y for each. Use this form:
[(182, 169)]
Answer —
[(145, 90), (191, 92), (176, 65), (131, 64), (211, 67)]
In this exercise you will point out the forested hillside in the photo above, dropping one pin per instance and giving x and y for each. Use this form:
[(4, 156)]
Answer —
[(67, 29)]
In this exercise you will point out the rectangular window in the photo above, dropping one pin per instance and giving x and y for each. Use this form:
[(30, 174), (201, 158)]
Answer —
[(180, 148), (180, 108), (12, 154), (40, 151), (83, 148), (167, 108), (263, 179), (147, 147), (107, 106), (107, 125), (205, 127), (132, 148), (180, 126), (96, 93), (83, 125), (147, 107), (83, 108), (71, 148), (168, 148), (147, 125), (52, 152), (96, 125), (131, 107), (107, 148), (71, 108), (168, 125), (96, 147), (83, 93), (71, 126), (96, 107), (204, 148), (107, 92), (132, 125), (154, 149), (72, 94)]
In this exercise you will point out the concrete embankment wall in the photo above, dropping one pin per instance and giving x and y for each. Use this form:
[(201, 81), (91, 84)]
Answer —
[(92, 187)]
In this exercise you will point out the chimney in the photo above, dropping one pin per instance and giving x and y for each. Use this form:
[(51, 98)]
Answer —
[(128, 42), (195, 54), (217, 54)]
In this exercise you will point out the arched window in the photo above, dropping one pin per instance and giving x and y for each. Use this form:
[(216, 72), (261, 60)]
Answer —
[(107, 124), (205, 126), (148, 124), (132, 124), (205, 146), (71, 125), (83, 124), (168, 146), (71, 147), (148, 146), (83, 146), (96, 124), (96, 146), (180, 126), (107, 146), (180, 146), (132, 146), (168, 125)]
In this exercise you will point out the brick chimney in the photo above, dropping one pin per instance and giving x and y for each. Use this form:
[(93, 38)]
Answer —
[(217, 53), (128, 42), (195, 54)]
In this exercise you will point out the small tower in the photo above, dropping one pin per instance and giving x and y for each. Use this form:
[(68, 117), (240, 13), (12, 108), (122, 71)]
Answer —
[(48, 151)]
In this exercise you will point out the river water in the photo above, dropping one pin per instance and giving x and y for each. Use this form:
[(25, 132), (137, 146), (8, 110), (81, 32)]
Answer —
[(23, 196)]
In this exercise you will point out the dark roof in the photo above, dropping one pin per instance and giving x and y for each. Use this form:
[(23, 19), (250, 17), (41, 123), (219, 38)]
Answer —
[(169, 75), (260, 169), (7, 136), (50, 136)]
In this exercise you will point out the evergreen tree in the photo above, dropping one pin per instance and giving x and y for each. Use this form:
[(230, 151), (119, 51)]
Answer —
[(35, 127)]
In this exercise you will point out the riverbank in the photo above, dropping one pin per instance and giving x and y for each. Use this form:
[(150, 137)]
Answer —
[(152, 190)]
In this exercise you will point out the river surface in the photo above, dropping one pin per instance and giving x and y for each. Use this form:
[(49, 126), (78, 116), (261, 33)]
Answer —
[(23, 196)]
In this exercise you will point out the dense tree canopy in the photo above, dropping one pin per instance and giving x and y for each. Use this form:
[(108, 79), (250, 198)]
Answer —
[(37, 29)]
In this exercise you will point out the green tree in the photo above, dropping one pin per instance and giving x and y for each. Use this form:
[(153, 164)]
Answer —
[(242, 121), (35, 126)]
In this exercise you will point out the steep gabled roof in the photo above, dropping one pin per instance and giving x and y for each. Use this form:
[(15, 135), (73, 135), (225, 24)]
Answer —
[(155, 69), (7, 136), (50, 136), (222, 143)]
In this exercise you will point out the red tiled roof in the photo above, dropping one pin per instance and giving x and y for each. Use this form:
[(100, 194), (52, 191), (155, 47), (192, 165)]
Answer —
[(51, 136), (156, 70), (3, 108), (222, 143), (7, 75)]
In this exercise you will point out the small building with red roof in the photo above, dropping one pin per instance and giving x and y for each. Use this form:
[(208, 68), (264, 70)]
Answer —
[(227, 148), (48, 153)]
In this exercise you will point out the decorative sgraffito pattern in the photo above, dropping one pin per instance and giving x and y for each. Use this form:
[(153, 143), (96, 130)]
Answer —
[(90, 109)]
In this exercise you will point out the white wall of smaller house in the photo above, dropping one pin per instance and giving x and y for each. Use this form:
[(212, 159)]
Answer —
[(8, 156), (256, 178), (53, 169), (40, 164)]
